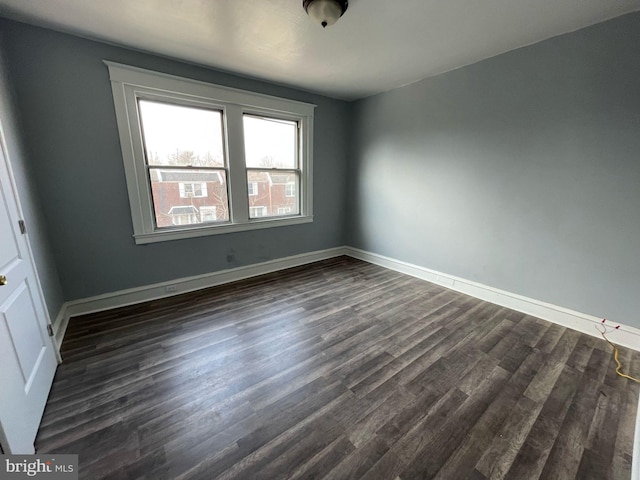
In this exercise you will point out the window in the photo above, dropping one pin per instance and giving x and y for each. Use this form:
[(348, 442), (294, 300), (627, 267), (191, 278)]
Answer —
[(290, 190), (208, 214), (193, 190), (183, 215), (272, 160), (187, 145), (255, 212)]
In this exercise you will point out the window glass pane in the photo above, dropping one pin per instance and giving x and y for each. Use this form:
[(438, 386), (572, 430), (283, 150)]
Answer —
[(179, 135), (189, 197), (270, 143), (277, 193)]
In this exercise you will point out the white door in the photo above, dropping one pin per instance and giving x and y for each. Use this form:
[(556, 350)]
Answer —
[(27, 357)]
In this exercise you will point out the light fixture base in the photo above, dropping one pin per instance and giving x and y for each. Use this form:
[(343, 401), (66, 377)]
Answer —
[(325, 12)]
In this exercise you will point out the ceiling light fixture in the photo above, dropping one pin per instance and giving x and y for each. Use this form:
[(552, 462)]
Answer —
[(325, 12)]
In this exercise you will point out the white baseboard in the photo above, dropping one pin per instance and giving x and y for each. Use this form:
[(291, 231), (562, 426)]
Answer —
[(60, 326), (626, 336), (635, 459), (156, 291)]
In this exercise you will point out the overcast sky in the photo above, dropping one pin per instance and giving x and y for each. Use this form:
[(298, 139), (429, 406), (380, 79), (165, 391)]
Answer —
[(168, 128)]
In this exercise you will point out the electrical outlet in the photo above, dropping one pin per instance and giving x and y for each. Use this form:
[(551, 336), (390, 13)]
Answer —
[(170, 288)]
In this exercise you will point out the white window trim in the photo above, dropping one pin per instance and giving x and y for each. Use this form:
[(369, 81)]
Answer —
[(182, 186), (254, 186), (293, 187), (130, 83), (262, 208), (207, 209)]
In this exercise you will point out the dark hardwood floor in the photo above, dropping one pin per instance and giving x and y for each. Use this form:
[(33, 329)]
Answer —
[(337, 370)]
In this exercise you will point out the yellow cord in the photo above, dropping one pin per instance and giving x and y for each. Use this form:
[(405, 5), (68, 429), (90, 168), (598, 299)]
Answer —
[(615, 355)]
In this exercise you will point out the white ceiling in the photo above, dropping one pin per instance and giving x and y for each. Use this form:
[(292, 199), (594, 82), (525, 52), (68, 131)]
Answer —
[(378, 44)]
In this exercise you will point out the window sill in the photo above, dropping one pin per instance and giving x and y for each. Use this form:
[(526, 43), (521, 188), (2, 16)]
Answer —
[(178, 234)]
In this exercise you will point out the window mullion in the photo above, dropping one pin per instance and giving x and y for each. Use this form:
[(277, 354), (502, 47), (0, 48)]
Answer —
[(239, 202)]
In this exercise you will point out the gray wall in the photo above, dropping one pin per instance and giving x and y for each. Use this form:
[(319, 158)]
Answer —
[(64, 95), (521, 172), (30, 201)]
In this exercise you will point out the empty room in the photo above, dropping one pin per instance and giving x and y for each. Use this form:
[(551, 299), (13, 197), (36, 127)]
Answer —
[(319, 239)]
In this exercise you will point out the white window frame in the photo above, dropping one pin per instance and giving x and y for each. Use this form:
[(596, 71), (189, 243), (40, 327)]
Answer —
[(291, 185), (182, 187), (260, 208), (208, 210), (254, 188), (284, 210), (129, 84)]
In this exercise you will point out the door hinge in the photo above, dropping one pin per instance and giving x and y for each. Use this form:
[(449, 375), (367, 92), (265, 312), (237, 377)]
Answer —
[(23, 227), (50, 329)]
